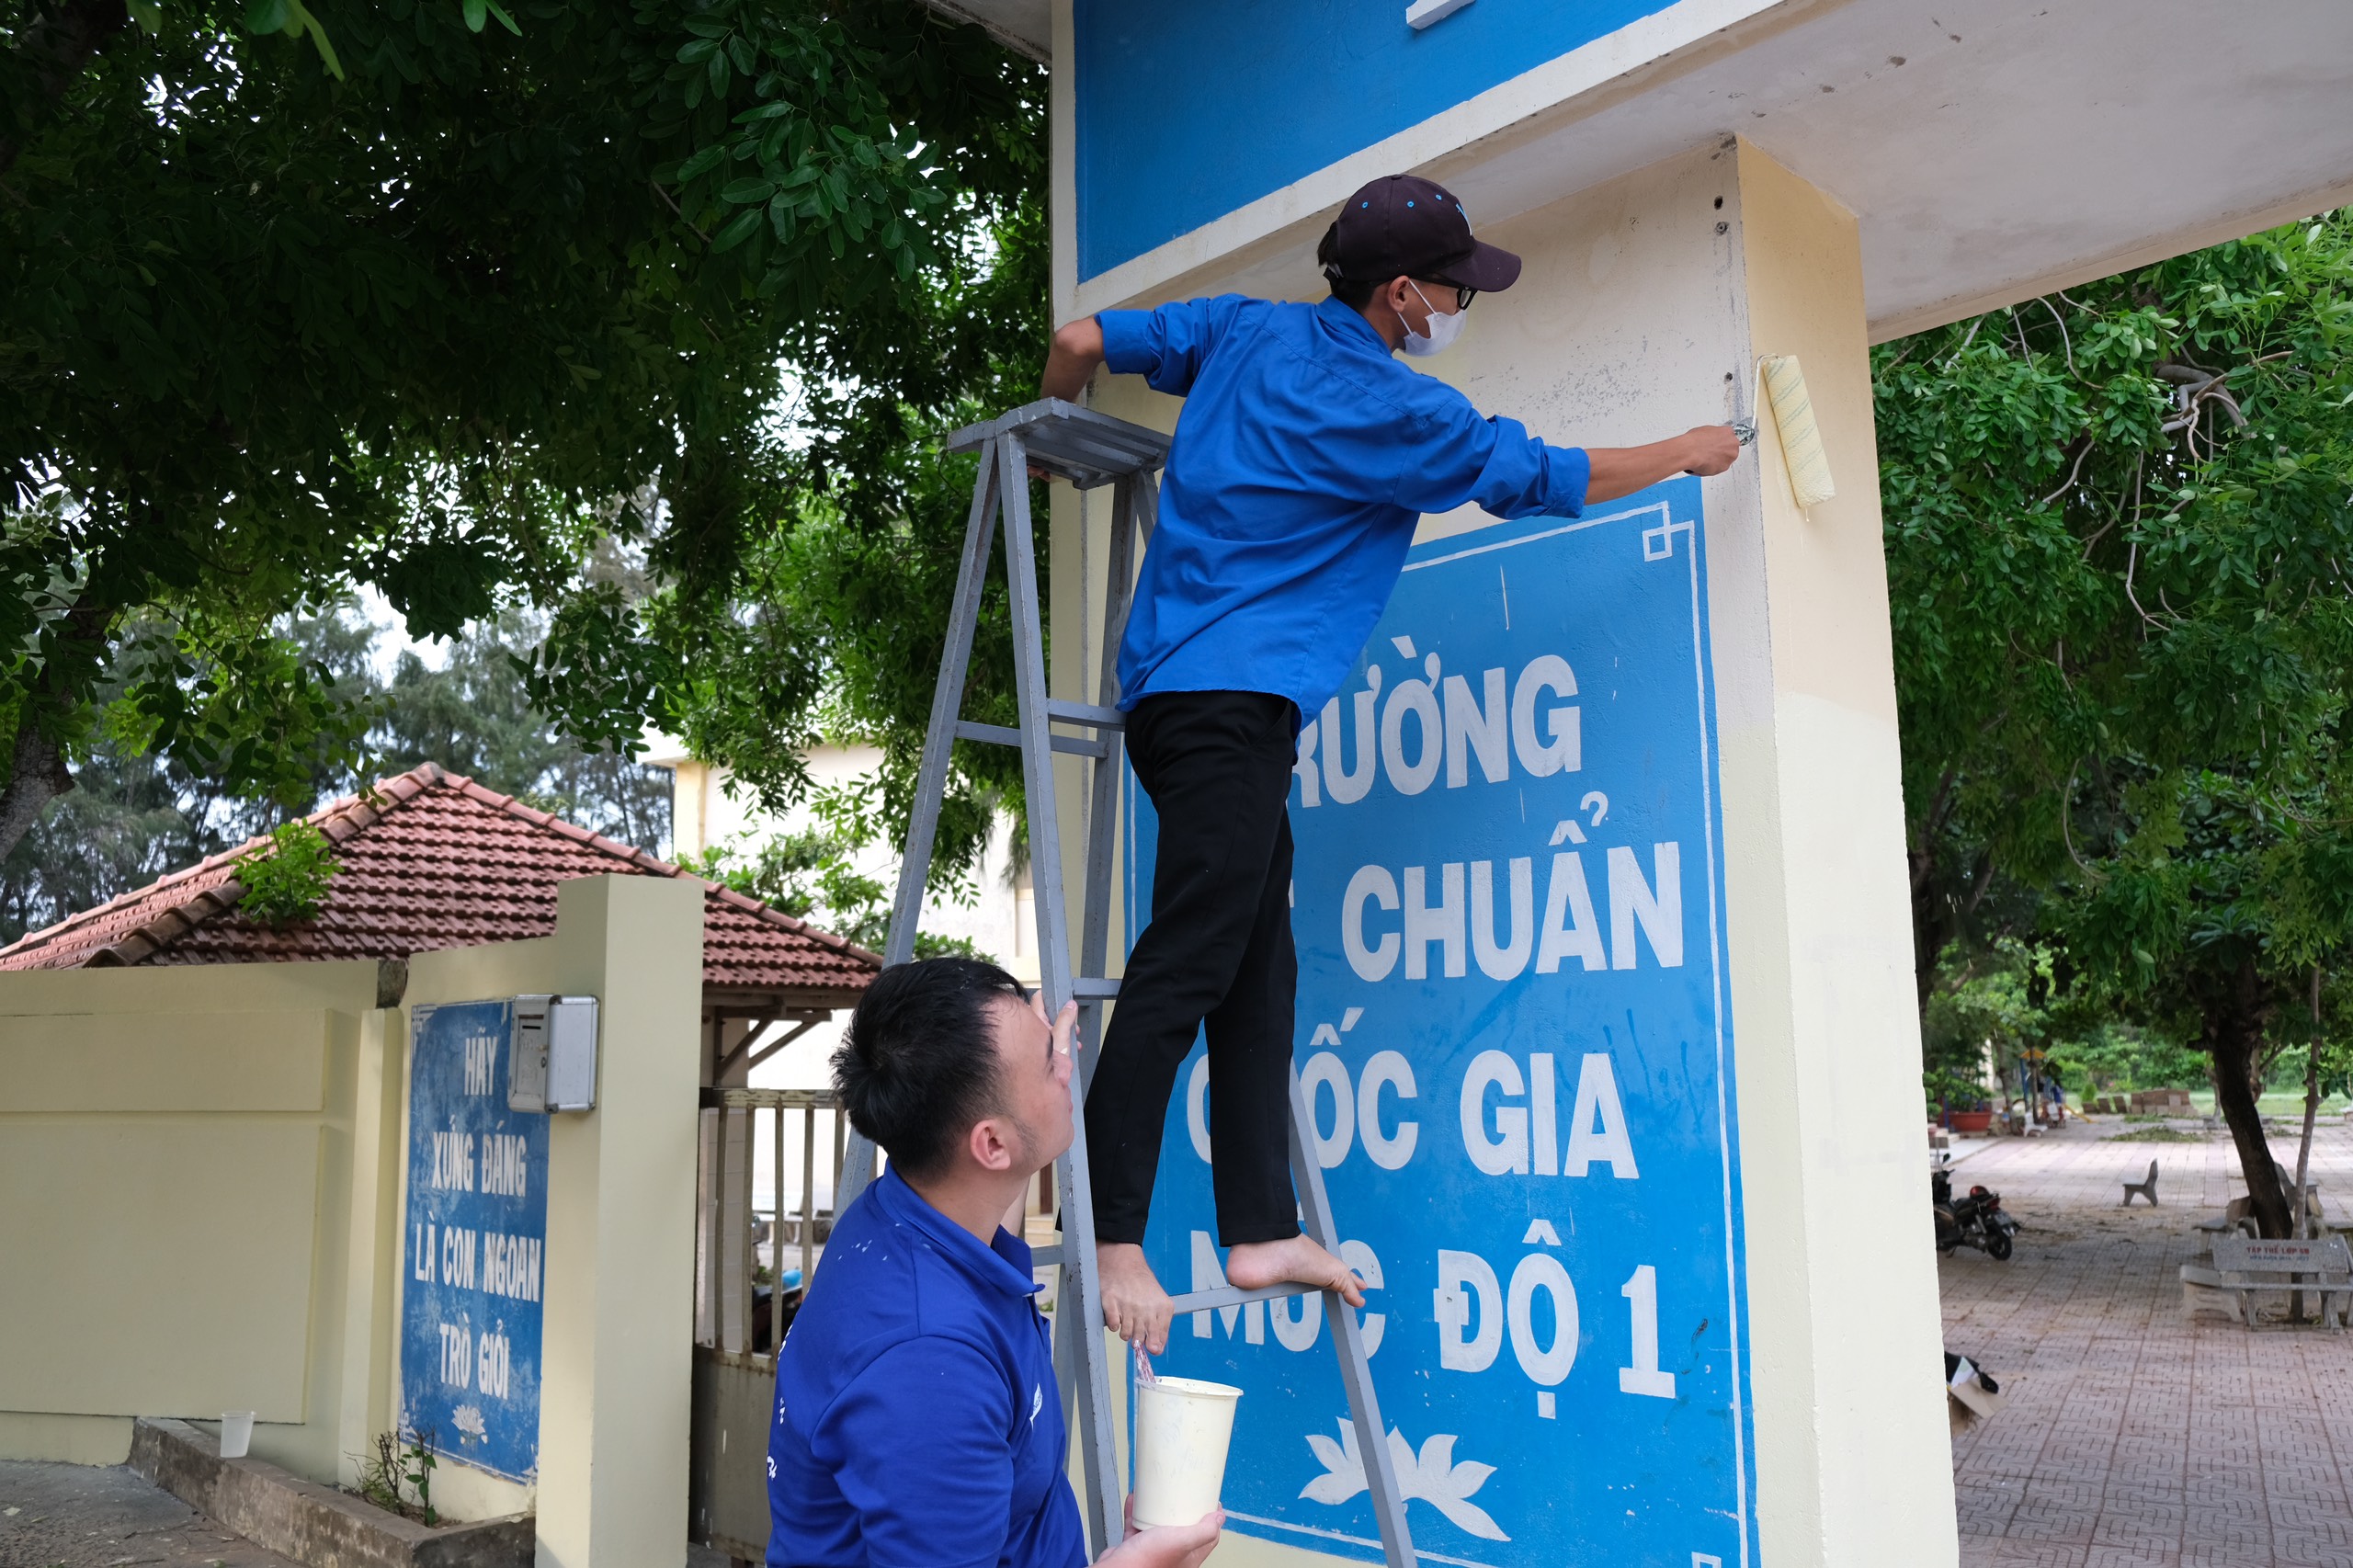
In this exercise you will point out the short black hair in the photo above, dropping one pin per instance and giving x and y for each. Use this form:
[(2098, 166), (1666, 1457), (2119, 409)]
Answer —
[(918, 1065)]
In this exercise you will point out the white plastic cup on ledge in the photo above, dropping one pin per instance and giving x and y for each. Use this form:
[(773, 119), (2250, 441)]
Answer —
[(1183, 1426), (236, 1432)]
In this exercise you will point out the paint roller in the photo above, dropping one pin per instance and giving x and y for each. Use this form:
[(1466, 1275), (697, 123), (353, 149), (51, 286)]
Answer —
[(1783, 382)]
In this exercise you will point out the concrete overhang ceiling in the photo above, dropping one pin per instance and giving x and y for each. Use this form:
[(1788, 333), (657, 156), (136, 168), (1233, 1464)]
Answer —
[(1027, 27), (1991, 150)]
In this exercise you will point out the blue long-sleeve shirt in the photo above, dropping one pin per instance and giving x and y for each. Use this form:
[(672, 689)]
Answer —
[(1306, 455), (917, 1423)]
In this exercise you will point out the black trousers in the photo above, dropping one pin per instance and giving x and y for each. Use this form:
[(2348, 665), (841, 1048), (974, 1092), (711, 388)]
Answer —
[(1218, 951)]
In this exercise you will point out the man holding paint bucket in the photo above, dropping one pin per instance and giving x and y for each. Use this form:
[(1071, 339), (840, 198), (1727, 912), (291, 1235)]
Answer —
[(918, 1419), (1304, 458)]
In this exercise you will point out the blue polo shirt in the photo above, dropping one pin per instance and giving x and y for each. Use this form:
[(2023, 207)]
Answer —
[(1305, 454), (917, 1423)]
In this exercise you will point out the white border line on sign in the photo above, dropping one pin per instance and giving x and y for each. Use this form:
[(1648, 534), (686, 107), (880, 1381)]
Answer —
[(1353, 1540)]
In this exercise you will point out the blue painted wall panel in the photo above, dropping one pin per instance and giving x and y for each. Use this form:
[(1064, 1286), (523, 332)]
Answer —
[(1532, 1135), (476, 1228), (1188, 111)]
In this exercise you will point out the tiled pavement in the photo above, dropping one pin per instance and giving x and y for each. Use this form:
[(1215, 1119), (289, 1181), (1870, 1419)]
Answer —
[(2133, 1435)]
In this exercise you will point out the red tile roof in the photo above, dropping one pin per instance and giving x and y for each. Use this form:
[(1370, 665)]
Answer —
[(430, 861)]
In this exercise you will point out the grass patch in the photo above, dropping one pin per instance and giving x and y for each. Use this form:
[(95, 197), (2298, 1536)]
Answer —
[(2154, 1135)]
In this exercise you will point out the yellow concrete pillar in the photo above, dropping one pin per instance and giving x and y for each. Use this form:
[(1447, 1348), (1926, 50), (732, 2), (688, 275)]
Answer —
[(616, 1369), (371, 1259)]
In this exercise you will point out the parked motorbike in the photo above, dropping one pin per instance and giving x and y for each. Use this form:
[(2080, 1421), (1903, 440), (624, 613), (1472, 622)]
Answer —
[(1977, 1220)]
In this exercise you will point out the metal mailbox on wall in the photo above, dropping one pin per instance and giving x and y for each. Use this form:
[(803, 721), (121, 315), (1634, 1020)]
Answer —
[(553, 1064), (476, 1231), (1513, 1029)]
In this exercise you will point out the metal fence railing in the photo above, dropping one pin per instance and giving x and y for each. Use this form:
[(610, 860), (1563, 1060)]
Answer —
[(737, 1310)]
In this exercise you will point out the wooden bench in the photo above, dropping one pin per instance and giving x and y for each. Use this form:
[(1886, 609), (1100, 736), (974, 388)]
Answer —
[(2146, 1189), (2321, 1266)]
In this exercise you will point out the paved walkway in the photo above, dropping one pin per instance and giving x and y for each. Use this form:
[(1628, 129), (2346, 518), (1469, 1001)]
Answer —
[(2133, 1435), (70, 1516)]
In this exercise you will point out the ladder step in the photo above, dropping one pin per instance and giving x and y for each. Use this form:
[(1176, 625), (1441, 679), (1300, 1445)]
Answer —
[(1086, 988), (1046, 1256), (1230, 1296), (1085, 713), (1005, 736), (1070, 442)]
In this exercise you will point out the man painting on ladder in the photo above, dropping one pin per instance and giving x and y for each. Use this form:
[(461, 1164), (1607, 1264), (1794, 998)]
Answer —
[(1304, 458)]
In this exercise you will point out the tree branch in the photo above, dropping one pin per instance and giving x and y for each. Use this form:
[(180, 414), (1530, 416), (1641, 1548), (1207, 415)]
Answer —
[(2069, 482)]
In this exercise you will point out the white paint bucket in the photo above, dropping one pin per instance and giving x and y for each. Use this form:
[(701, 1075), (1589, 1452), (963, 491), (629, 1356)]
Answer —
[(236, 1432), (1182, 1428)]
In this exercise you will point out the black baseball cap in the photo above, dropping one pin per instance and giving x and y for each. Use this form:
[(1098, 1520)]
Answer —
[(1402, 225)]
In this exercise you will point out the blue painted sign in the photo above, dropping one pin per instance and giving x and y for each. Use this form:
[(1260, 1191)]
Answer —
[(1512, 1026), (477, 1225), (1174, 103)]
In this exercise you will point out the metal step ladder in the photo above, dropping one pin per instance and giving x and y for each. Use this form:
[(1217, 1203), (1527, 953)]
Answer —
[(1090, 451)]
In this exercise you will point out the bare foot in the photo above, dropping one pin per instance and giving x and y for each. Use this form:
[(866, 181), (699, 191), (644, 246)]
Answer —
[(1256, 1264), (1134, 1306)]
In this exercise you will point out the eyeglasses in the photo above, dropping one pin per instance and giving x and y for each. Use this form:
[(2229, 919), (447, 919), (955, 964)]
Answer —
[(1463, 297)]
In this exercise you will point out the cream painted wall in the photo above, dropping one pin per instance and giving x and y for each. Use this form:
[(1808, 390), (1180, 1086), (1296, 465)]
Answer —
[(1643, 306), (176, 1165), (202, 1175)]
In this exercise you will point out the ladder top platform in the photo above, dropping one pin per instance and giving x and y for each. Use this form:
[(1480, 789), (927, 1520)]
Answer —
[(1070, 442)]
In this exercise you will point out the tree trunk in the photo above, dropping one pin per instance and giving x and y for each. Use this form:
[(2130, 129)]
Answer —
[(2311, 1107), (37, 778), (2234, 1035)]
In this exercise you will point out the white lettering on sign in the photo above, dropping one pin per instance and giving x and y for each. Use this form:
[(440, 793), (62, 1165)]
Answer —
[(453, 1160), (1210, 1275), (1513, 1139), (1467, 1294), (420, 1252), (1390, 1150), (1598, 1125), (1569, 930), (505, 1165), (493, 1363), (458, 1257), (1502, 960), (1644, 1377), (1439, 724), (1326, 1073), (1546, 1365), (457, 1355), (1298, 1320), (510, 1266), (1441, 922), (481, 1054), (1473, 1312), (1658, 910), (1646, 912)]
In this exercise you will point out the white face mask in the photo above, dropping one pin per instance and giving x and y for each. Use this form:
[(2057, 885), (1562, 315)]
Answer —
[(1444, 329)]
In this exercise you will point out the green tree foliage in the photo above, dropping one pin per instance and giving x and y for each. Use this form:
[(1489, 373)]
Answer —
[(139, 815), (812, 874), (414, 299), (826, 618), (2118, 522), (287, 877)]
